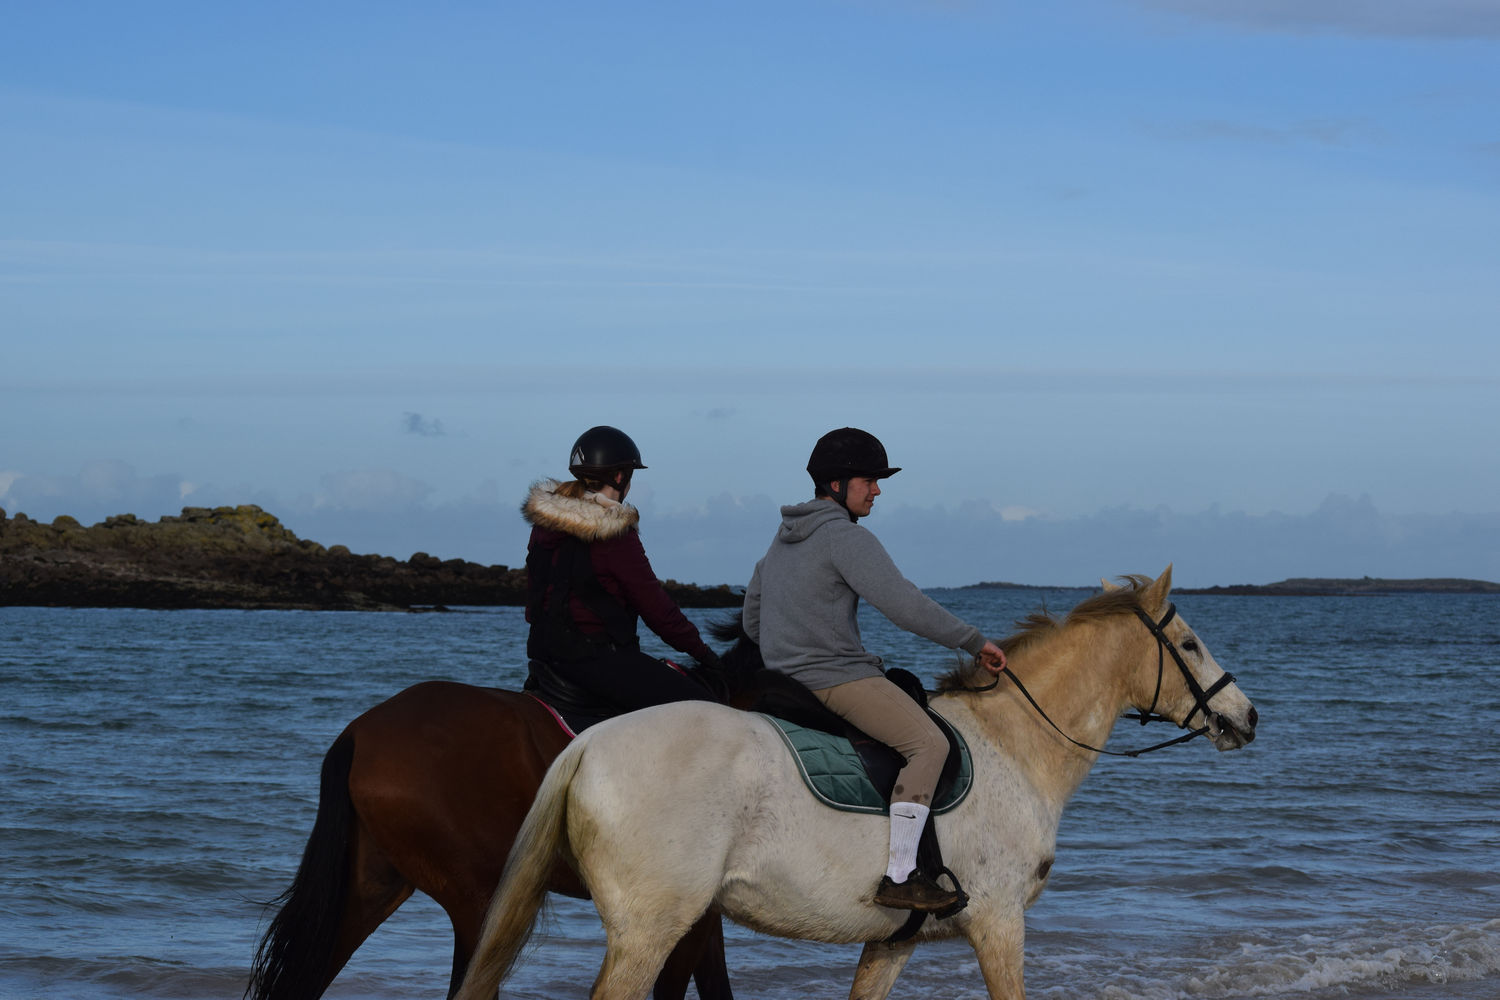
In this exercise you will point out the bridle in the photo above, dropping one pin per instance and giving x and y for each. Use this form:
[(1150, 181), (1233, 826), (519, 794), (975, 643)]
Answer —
[(1200, 696), (1164, 646)]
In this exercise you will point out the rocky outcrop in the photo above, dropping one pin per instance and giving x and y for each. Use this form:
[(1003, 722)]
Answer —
[(242, 557), (1335, 587), (1307, 587)]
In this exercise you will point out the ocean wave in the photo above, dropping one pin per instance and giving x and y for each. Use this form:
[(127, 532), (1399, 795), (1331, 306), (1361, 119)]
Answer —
[(1372, 961)]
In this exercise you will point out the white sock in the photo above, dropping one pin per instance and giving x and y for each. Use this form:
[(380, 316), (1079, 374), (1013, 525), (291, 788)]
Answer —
[(907, 821)]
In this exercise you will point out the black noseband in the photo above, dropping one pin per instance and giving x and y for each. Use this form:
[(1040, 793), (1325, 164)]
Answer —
[(1200, 696)]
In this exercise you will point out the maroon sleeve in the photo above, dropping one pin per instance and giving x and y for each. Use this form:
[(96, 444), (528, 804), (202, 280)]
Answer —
[(622, 568)]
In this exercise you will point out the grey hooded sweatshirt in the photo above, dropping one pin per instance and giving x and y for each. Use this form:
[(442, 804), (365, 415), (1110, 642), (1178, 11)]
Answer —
[(801, 603)]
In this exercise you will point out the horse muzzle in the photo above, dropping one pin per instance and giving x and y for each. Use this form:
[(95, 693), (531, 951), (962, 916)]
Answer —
[(1227, 734)]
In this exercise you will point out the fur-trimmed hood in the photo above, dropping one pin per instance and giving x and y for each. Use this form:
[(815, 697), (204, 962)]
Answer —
[(592, 517)]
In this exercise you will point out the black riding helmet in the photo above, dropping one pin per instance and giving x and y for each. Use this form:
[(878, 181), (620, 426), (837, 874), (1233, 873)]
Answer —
[(845, 454), (602, 451)]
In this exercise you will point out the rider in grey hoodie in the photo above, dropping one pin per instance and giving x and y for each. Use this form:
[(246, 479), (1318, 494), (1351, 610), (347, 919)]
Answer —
[(822, 564), (801, 608)]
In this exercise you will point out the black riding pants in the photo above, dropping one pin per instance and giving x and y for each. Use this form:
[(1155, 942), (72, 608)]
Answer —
[(631, 679)]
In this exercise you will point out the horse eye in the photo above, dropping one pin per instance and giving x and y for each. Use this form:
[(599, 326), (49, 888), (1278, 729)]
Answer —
[(1191, 645)]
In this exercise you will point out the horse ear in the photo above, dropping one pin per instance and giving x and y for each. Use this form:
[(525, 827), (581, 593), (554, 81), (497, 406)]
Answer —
[(1107, 585), (1156, 593)]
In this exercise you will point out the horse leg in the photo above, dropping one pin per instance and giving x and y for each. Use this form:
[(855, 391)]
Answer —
[(711, 974), (633, 960), (698, 956), (879, 965), (466, 913), (636, 947), (342, 891), (376, 889), (672, 981), (999, 944)]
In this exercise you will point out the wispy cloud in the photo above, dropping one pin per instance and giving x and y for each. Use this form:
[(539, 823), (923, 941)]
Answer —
[(1326, 132), (1455, 19), (371, 489), (415, 423)]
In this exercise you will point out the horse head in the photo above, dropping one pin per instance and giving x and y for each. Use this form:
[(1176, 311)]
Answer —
[(1199, 693)]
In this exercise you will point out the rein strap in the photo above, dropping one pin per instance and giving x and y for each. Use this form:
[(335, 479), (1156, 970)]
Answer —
[(1084, 746), (1164, 645)]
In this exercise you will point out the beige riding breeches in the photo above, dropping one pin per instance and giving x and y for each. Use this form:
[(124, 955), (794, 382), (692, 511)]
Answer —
[(888, 714)]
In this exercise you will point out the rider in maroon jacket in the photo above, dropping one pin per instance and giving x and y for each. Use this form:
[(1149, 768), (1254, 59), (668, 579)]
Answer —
[(589, 581)]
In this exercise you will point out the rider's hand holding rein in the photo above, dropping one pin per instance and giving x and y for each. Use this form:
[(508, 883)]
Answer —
[(993, 658)]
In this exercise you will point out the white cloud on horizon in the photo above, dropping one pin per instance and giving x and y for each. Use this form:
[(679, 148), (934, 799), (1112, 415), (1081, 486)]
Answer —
[(371, 490), (387, 513), (98, 490)]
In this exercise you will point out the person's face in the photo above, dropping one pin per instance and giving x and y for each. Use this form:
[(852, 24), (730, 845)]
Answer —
[(618, 489), (860, 493)]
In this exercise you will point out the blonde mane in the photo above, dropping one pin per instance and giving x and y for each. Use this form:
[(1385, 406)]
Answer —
[(1039, 626)]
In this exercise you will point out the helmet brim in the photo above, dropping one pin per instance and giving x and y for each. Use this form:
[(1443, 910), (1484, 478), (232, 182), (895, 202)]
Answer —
[(835, 475)]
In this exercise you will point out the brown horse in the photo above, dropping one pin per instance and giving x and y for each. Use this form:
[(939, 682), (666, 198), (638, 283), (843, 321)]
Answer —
[(425, 792)]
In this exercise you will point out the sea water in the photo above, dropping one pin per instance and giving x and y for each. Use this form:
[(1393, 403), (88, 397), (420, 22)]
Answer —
[(159, 771)]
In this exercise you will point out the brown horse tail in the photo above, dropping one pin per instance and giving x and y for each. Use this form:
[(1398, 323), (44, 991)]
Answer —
[(523, 887), (292, 961)]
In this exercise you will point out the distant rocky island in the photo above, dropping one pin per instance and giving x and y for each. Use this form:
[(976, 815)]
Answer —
[(1303, 586), (242, 557), (1308, 587)]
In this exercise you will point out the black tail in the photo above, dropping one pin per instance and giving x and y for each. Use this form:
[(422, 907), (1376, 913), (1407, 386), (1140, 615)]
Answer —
[(740, 666), (292, 960), (728, 629)]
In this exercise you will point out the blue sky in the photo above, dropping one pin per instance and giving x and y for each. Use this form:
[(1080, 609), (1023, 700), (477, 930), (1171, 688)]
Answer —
[(1119, 283)]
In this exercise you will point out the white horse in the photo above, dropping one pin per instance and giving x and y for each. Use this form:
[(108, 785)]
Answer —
[(672, 810)]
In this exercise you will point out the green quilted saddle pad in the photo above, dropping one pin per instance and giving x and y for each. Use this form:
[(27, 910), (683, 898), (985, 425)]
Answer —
[(835, 773)]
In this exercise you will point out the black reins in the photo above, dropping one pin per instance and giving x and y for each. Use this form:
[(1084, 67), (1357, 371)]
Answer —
[(1164, 645)]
